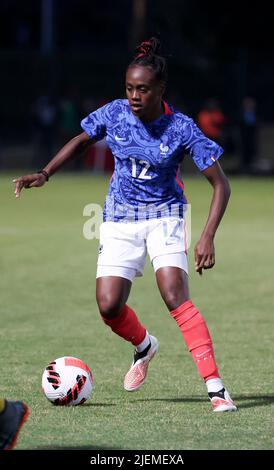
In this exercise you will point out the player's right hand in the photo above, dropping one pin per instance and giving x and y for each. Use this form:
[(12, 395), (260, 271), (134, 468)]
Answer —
[(28, 181)]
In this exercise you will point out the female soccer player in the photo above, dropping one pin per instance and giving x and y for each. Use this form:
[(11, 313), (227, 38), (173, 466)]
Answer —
[(144, 213)]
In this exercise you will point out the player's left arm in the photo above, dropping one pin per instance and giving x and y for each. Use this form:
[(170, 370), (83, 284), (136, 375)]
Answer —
[(204, 250)]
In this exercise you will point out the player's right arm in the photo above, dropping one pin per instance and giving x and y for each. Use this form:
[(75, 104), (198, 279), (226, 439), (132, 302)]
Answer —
[(71, 150)]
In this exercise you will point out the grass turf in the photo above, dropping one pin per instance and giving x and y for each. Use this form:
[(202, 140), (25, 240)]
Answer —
[(48, 310)]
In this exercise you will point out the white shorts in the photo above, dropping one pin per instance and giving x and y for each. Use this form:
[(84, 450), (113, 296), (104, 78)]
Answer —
[(124, 246)]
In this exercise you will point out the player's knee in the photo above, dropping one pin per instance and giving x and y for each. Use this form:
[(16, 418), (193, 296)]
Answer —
[(109, 308), (174, 299)]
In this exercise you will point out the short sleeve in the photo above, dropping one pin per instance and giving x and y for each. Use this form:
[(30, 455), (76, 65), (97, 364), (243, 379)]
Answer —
[(95, 124), (203, 151)]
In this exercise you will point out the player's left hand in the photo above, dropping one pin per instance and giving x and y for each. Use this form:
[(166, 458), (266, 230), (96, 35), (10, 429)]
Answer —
[(204, 254)]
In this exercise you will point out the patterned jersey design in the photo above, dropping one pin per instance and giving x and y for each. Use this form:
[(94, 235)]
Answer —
[(145, 183)]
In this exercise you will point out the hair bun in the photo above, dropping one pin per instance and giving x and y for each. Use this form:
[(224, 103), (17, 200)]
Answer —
[(147, 48), (147, 55)]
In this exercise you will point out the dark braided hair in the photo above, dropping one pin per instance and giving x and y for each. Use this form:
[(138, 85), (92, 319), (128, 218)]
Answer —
[(146, 55)]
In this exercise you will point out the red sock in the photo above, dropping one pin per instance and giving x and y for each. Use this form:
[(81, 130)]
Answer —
[(128, 326), (197, 338)]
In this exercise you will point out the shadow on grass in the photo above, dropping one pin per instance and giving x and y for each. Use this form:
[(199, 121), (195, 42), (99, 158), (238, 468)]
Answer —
[(178, 400), (257, 400), (97, 404), (254, 400)]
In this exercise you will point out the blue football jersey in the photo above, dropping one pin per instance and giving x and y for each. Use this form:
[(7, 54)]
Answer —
[(146, 181)]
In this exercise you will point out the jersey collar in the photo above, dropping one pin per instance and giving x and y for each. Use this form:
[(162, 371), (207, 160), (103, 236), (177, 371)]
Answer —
[(167, 110)]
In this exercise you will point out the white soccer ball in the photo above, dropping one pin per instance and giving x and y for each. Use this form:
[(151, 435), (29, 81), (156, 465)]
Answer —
[(67, 381)]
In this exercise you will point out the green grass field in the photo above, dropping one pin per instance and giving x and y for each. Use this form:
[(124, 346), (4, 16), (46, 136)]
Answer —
[(48, 310)]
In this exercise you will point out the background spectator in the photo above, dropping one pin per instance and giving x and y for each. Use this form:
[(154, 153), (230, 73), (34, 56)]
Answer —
[(211, 120)]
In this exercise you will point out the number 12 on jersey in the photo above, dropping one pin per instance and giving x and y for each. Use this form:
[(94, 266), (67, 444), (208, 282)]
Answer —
[(142, 173)]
